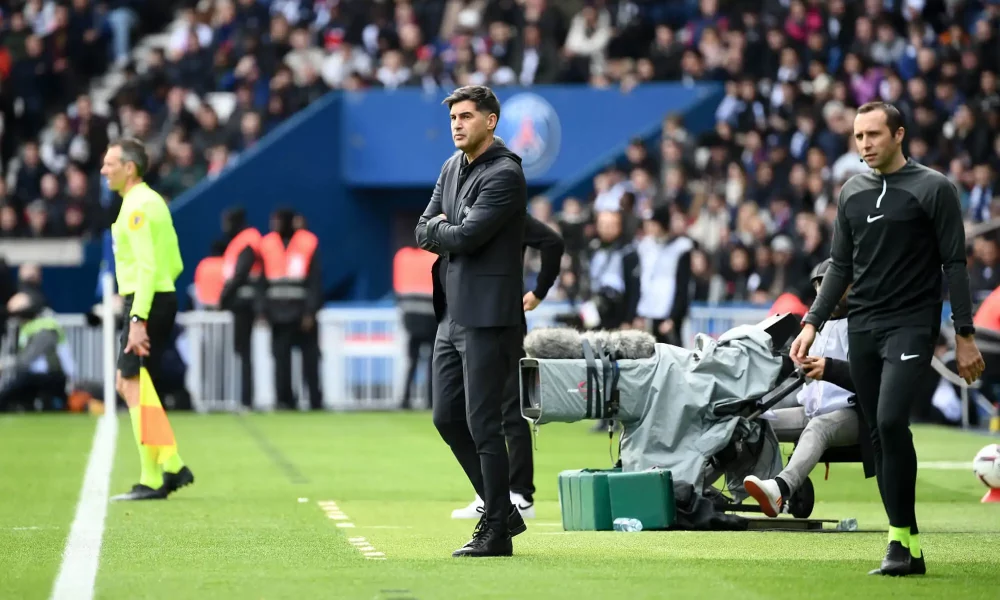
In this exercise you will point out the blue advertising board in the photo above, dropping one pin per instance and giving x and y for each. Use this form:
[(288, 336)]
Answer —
[(401, 138)]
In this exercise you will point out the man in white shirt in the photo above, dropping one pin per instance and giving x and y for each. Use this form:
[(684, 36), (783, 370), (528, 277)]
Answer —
[(826, 416), (665, 275)]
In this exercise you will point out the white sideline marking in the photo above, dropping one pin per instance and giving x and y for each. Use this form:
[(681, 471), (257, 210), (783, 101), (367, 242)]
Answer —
[(364, 546), (82, 555), (943, 465)]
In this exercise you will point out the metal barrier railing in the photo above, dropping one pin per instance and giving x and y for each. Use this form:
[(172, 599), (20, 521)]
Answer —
[(363, 363), (364, 354)]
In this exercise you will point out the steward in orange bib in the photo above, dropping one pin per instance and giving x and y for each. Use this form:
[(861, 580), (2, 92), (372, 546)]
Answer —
[(293, 296), (413, 284), (242, 294)]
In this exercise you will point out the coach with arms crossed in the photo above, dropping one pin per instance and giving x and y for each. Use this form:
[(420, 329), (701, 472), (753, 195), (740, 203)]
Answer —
[(896, 227), (475, 222)]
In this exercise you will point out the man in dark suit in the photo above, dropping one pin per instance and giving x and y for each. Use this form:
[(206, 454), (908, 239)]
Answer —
[(475, 222)]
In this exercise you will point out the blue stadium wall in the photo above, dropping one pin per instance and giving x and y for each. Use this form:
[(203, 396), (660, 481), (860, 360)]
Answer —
[(360, 168)]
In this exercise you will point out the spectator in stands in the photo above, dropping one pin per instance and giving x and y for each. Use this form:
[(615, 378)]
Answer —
[(665, 267), (706, 285), (25, 178), (613, 277), (186, 171), (984, 274), (39, 224), (10, 224)]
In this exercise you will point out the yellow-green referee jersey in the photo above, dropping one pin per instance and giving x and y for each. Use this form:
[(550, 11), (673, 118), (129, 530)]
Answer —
[(147, 257)]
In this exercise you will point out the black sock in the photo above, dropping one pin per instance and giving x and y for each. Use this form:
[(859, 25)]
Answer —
[(785, 492)]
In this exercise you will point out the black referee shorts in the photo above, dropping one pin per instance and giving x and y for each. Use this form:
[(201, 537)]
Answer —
[(159, 325)]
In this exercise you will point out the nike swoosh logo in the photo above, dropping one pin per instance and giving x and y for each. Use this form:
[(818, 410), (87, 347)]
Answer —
[(872, 219), (905, 356), (524, 506)]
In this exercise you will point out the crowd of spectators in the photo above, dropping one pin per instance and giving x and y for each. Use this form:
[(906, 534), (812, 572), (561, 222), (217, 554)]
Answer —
[(758, 192), (51, 138)]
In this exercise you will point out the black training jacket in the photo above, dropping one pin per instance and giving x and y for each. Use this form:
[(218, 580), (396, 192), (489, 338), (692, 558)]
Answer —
[(893, 235)]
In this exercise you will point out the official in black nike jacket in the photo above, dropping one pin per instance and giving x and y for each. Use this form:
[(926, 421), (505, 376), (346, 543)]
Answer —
[(896, 228)]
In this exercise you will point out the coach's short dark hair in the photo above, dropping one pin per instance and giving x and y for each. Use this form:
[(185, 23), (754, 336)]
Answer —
[(893, 118), (485, 100), (133, 151)]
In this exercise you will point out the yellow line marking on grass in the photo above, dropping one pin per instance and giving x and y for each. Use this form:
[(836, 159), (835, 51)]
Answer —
[(364, 546)]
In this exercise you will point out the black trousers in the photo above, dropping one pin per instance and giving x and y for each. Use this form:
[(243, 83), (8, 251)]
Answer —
[(421, 329), (888, 367), (243, 319), (472, 368), (284, 337)]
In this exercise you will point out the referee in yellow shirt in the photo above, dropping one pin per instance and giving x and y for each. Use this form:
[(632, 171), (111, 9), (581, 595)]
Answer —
[(147, 262)]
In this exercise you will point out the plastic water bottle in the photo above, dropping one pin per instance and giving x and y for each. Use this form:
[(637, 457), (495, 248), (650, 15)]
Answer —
[(623, 524), (848, 525)]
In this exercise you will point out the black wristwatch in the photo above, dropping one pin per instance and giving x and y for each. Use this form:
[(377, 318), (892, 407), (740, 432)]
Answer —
[(137, 319), (966, 330)]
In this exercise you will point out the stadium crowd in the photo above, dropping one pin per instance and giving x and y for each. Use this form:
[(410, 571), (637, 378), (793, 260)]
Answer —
[(51, 138), (758, 193)]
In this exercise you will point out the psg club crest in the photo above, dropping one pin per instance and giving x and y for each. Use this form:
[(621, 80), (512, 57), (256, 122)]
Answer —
[(530, 128)]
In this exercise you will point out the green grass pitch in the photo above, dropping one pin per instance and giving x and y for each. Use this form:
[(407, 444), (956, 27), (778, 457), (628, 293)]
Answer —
[(261, 521)]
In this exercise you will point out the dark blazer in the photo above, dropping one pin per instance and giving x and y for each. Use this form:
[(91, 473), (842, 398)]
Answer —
[(480, 240)]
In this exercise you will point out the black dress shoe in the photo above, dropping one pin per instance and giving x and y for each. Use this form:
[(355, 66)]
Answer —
[(515, 522), (896, 562), (175, 481), (486, 542), (141, 492)]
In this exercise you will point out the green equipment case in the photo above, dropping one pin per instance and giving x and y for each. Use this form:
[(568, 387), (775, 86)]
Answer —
[(585, 499), (644, 495)]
